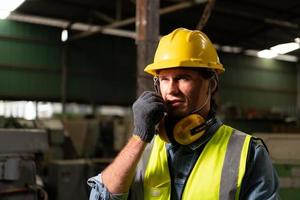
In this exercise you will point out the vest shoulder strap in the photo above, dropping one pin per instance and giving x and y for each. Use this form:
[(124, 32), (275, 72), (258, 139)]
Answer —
[(234, 165)]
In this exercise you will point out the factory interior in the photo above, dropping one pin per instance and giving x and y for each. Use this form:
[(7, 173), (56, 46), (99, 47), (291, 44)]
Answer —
[(71, 69)]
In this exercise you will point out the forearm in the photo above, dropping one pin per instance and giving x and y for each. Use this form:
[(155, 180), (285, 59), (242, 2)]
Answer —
[(117, 177)]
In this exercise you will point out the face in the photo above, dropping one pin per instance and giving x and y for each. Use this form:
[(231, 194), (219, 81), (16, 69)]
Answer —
[(184, 91)]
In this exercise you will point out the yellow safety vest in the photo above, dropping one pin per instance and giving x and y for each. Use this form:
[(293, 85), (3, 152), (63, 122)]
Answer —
[(217, 174)]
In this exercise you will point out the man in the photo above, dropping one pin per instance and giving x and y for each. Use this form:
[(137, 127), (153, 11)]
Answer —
[(193, 156)]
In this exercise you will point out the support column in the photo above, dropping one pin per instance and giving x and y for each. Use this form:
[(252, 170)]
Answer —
[(147, 27), (298, 93), (64, 78)]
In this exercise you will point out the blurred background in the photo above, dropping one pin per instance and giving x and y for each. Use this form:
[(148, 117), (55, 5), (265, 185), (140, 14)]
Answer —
[(71, 69)]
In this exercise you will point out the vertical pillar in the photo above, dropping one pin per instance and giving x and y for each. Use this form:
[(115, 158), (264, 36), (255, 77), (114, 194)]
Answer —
[(298, 93), (36, 109), (147, 27), (64, 78)]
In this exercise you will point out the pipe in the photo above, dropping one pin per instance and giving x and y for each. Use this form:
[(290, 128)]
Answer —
[(59, 23), (88, 29)]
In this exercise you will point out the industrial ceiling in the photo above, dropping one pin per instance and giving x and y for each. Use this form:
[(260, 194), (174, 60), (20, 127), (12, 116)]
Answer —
[(250, 24)]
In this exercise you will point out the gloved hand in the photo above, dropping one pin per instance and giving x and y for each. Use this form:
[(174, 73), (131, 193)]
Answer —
[(148, 110)]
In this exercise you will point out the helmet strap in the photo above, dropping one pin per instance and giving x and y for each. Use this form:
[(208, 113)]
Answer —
[(156, 85)]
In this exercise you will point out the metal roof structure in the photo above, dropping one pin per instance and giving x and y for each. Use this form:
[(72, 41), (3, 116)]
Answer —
[(249, 24)]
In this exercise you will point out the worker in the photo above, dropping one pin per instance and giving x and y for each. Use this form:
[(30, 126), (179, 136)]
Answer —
[(179, 148)]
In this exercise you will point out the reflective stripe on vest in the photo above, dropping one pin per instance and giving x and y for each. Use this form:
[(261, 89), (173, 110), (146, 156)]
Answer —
[(218, 173)]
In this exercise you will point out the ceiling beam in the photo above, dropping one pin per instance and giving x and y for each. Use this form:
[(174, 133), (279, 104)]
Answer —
[(131, 20), (206, 14), (59, 23)]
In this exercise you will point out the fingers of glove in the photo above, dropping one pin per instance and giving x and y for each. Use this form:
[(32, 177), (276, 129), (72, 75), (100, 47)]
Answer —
[(154, 99), (156, 109), (159, 117), (151, 97), (149, 94), (143, 94), (147, 104), (158, 106), (157, 112)]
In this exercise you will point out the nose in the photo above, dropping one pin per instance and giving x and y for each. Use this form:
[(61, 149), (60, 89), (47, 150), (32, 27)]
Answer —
[(172, 87)]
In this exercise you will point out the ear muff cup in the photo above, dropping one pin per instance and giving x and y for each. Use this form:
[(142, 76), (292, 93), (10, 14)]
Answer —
[(186, 131)]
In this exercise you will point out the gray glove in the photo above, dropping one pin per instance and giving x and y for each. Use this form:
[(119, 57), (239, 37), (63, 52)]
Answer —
[(148, 110)]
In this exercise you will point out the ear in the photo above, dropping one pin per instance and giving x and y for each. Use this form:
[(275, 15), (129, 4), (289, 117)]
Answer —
[(213, 85)]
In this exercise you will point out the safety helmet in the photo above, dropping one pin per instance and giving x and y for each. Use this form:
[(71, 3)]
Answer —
[(185, 48)]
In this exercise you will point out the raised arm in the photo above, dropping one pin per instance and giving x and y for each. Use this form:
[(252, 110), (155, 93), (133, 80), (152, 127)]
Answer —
[(148, 110)]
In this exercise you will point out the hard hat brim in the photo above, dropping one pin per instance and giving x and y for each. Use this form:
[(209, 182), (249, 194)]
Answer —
[(197, 63)]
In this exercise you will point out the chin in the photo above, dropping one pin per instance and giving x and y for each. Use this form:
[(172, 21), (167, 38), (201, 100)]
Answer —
[(177, 113)]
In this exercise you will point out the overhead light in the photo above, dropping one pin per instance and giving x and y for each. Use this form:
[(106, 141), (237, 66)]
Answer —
[(297, 40), (266, 54), (64, 35), (4, 14), (287, 57), (286, 47), (8, 6)]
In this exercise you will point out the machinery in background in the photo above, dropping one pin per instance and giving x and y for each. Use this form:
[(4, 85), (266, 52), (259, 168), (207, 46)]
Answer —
[(67, 178), (100, 137), (18, 152), (88, 147), (43, 151)]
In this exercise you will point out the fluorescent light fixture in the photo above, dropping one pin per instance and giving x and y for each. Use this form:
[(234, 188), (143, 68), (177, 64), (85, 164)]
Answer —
[(266, 54), (64, 35), (287, 57), (251, 52), (7, 6), (285, 48), (4, 14), (10, 5), (231, 49)]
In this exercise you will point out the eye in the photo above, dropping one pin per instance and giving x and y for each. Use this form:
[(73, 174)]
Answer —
[(184, 78), (162, 79)]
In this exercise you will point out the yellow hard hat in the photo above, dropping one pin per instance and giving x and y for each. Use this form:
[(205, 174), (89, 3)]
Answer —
[(185, 48)]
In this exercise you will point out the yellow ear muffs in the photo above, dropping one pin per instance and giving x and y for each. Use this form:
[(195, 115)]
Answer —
[(186, 131), (189, 129)]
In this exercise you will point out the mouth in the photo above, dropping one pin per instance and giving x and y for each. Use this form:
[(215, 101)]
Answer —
[(175, 103)]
